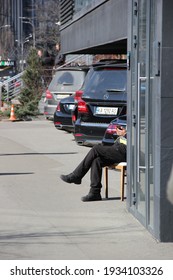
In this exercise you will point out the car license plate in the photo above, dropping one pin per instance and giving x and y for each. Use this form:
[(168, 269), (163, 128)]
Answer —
[(60, 96), (106, 111), (71, 106)]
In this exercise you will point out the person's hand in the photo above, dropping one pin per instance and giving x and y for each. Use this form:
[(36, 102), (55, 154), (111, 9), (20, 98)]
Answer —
[(121, 131)]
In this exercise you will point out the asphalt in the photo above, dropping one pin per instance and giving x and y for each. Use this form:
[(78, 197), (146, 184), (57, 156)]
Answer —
[(43, 218)]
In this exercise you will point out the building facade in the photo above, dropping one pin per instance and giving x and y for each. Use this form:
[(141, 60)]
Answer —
[(11, 13), (89, 26), (150, 154), (141, 29)]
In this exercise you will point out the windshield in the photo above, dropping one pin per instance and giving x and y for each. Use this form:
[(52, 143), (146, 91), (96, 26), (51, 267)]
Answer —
[(67, 81), (107, 80)]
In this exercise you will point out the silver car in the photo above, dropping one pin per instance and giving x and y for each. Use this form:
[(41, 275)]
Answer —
[(65, 82)]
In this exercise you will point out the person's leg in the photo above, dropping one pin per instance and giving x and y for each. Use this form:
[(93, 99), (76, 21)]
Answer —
[(86, 163), (96, 173), (95, 185), (80, 171), (107, 155)]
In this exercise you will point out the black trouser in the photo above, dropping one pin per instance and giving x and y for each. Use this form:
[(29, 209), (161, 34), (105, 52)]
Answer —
[(98, 157)]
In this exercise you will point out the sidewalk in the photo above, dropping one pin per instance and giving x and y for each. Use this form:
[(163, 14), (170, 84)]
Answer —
[(41, 217)]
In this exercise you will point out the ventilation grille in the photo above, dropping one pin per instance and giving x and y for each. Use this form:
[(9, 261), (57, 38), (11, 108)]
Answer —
[(66, 10)]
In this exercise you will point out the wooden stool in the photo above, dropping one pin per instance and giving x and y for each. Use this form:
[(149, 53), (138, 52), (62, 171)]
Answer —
[(122, 166)]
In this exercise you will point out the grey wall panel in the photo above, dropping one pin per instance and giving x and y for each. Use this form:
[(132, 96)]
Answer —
[(167, 70), (166, 208), (105, 24), (167, 10), (166, 121)]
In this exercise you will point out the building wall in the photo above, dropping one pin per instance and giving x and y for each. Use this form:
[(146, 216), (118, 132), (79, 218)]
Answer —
[(166, 119), (103, 25)]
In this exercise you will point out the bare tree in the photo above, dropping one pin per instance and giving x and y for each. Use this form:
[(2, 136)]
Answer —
[(47, 29), (6, 34)]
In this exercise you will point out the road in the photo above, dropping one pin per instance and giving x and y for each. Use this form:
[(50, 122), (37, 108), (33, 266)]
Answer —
[(41, 217)]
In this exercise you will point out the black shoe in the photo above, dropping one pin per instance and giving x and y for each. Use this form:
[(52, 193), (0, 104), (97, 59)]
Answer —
[(91, 197), (71, 178)]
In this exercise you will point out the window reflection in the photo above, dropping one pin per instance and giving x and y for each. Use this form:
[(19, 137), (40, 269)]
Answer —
[(80, 4)]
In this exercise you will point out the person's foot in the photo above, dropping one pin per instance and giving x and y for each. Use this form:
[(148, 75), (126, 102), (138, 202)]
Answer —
[(91, 197), (71, 178)]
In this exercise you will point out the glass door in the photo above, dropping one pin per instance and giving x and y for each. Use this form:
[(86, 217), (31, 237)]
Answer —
[(141, 159)]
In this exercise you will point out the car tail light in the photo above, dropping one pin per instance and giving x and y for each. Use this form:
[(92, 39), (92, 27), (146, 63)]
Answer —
[(48, 94), (82, 107), (78, 95), (112, 128), (73, 118), (78, 134), (58, 107)]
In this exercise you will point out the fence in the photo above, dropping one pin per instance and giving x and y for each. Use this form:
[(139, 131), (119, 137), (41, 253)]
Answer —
[(10, 88)]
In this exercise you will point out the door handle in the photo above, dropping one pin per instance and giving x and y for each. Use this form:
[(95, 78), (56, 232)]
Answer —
[(158, 60), (134, 120)]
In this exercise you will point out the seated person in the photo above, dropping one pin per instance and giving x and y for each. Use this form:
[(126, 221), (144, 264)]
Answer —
[(97, 158)]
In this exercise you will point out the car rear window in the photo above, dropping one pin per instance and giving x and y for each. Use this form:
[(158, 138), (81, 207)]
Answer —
[(67, 81), (105, 80)]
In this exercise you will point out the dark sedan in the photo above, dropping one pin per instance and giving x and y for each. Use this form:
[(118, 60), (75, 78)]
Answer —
[(65, 114), (111, 133), (62, 115)]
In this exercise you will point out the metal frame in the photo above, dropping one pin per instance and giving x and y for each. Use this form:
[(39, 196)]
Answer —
[(135, 166)]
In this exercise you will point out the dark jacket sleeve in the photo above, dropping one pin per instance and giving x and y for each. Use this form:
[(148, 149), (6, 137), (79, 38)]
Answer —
[(121, 145)]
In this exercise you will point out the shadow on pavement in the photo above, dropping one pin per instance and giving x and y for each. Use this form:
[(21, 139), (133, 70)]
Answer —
[(32, 154), (14, 173)]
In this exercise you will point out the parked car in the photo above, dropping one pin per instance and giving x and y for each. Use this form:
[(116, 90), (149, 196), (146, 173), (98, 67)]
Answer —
[(111, 133), (64, 83), (64, 113), (77, 97), (62, 116), (79, 93), (104, 98), (42, 103)]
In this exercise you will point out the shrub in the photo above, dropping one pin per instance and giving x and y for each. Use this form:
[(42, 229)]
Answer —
[(31, 93)]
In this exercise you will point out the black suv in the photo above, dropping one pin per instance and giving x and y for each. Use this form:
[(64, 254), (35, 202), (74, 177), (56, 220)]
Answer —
[(104, 98)]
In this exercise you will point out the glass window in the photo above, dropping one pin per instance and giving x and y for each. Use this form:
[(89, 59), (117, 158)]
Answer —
[(80, 4), (107, 81), (67, 81)]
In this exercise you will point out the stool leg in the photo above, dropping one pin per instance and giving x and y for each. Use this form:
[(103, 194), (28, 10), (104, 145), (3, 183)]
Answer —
[(122, 182), (106, 181)]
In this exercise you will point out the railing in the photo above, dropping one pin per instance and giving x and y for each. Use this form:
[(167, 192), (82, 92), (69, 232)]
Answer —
[(73, 58), (11, 88)]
